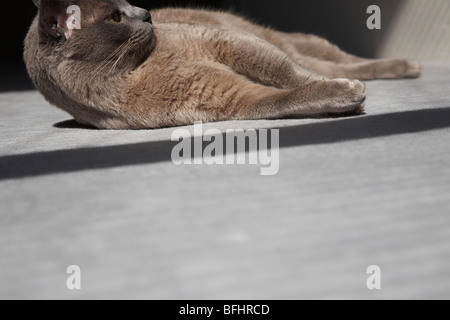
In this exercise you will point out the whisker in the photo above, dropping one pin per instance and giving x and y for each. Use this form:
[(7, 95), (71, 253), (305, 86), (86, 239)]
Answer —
[(106, 61), (121, 56), (115, 57)]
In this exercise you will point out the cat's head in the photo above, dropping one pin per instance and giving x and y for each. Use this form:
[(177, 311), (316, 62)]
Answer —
[(95, 31)]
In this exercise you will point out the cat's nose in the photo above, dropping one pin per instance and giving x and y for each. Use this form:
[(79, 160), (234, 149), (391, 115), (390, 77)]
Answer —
[(148, 17), (138, 13)]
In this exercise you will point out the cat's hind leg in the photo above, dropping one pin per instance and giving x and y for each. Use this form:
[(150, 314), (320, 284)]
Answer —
[(366, 70), (319, 55), (319, 48)]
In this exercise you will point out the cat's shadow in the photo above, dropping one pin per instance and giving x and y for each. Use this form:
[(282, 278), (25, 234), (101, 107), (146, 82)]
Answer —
[(72, 124)]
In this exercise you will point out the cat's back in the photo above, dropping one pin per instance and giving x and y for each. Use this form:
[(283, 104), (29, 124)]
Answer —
[(198, 17)]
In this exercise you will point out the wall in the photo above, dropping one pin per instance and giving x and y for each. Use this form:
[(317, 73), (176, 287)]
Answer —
[(419, 30)]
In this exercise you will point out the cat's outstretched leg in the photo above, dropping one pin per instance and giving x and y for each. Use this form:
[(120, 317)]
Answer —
[(316, 97), (312, 46), (327, 59), (366, 70)]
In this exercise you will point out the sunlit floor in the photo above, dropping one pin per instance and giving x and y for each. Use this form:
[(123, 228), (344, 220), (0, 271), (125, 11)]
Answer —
[(350, 193)]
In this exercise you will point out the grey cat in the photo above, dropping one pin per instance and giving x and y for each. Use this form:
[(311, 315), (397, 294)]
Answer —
[(124, 70)]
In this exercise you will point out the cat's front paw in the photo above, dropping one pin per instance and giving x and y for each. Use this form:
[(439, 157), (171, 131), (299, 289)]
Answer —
[(349, 96)]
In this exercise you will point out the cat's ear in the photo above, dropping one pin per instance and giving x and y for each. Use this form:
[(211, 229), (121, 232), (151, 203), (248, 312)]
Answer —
[(53, 17), (37, 3)]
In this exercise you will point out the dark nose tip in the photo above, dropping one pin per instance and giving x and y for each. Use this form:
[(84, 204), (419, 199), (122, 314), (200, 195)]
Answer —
[(148, 17)]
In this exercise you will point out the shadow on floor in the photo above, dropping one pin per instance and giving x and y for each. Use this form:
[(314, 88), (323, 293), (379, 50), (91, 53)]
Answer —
[(351, 129)]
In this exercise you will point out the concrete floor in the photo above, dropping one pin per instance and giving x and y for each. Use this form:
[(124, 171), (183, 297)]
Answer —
[(351, 192)]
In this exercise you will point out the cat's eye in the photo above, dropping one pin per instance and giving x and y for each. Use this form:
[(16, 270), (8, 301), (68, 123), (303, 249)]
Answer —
[(115, 17)]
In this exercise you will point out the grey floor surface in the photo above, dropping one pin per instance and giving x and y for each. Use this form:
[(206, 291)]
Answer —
[(352, 192)]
